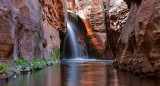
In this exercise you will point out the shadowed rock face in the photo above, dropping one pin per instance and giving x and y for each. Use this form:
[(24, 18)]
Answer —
[(29, 29), (133, 36), (129, 2), (138, 48), (116, 15)]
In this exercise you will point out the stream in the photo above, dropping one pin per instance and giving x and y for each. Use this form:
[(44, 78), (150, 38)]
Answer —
[(79, 74)]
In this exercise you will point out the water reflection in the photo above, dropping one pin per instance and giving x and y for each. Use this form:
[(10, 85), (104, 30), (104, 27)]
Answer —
[(75, 74), (84, 74)]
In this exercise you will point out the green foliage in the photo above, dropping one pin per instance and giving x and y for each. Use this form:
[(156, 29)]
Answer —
[(42, 63), (36, 63), (51, 59), (44, 58), (15, 71), (56, 53), (39, 63), (4, 68), (23, 63)]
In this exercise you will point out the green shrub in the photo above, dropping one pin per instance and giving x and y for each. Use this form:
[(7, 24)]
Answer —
[(4, 68), (39, 63), (56, 53), (44, 58), (23, 63), (35, 63), (15, 71), (42, 63), (51, 59)]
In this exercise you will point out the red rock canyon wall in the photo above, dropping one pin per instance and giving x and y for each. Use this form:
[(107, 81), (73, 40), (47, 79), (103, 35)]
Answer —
[(30, 28), (92, 13), (138, 48), (130, 29)]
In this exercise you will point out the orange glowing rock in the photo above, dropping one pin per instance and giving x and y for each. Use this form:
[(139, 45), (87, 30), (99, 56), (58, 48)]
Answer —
[(93, 39)]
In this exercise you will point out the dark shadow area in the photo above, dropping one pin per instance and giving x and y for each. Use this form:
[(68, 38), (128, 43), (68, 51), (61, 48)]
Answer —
[(129, 2)]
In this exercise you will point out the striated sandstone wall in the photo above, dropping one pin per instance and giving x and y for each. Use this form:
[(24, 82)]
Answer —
[(116, 12), (138, 48), (53, 15), (29, 28)]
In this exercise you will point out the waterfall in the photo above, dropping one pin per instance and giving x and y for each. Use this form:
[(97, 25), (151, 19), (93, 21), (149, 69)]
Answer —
[(73, 39), (76, 43)]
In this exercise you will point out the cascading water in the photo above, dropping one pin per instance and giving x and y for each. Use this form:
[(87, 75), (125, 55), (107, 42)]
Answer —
[(76, 43), (73, 40)]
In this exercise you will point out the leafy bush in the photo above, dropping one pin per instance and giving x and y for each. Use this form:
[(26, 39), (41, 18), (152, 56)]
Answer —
[(56, 53), (39, 64), (51, 59), (23, 63), (42, 63), (35, 63), (26, 63), (44, 58), (4, 68)]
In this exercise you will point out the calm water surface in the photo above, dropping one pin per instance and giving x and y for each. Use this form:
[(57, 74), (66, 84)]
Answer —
[(76, 74)]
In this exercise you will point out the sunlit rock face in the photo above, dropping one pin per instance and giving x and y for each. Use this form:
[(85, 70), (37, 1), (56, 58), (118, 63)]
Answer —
[(116, 15), (138, 48), (53, 15), (29, 28), (92, 13)]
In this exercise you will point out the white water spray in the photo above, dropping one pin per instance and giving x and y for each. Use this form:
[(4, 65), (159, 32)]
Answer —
[(73, 40)]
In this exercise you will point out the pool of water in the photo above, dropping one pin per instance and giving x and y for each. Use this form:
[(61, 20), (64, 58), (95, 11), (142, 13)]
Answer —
[(80, 74)]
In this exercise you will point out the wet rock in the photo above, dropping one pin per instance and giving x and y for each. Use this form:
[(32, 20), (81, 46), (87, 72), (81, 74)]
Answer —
[(26, 70), (1, 71), (49, 63), (3, 76), (10, 75)]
